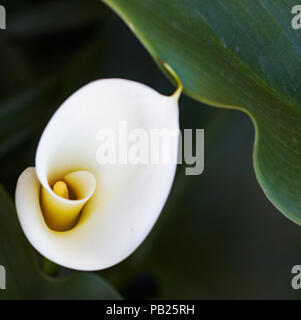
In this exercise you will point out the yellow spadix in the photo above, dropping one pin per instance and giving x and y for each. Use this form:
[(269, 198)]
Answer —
[(60, 188)]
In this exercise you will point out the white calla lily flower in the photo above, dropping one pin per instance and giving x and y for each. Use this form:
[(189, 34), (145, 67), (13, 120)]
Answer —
[(89, 216)]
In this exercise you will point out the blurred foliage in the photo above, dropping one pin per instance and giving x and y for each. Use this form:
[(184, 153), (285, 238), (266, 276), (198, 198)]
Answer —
[(24, 279), (218, 236)]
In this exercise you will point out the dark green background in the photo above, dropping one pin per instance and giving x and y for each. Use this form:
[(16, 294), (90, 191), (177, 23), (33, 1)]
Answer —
[(218, 236)]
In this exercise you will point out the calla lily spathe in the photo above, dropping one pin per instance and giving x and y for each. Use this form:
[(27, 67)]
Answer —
[(118, 203)]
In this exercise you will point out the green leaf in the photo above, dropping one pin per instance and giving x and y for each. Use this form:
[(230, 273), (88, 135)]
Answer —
[(243, 55), (24, 280)]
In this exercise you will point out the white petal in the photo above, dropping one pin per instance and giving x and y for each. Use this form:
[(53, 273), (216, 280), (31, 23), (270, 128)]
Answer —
[(128, 198)]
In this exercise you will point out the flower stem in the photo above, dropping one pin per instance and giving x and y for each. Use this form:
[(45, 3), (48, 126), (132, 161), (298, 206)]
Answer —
[(49, 267)]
